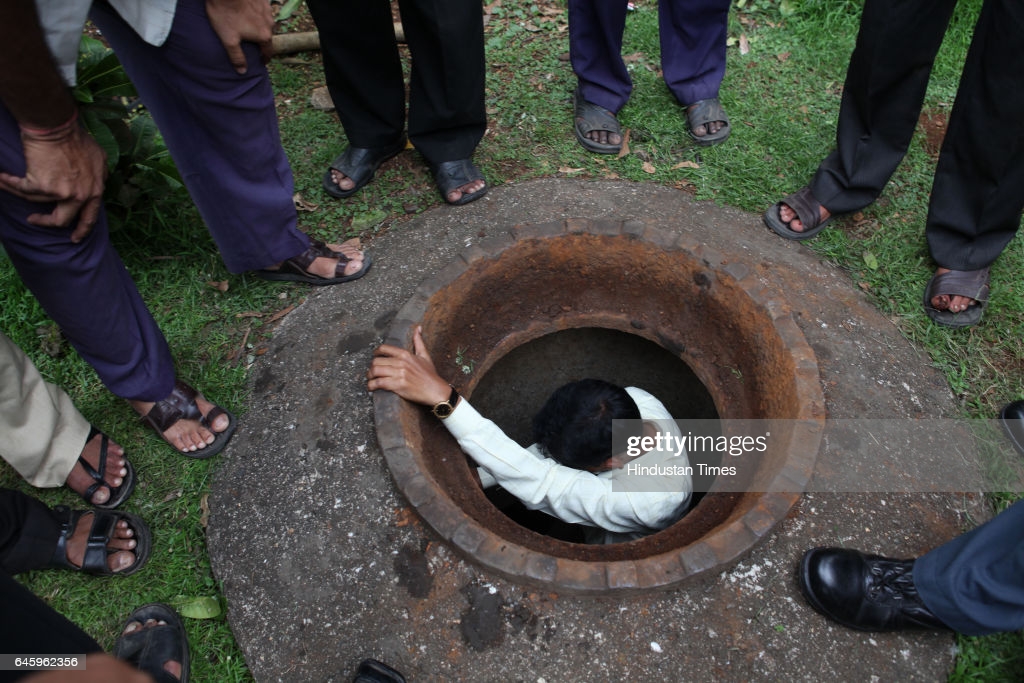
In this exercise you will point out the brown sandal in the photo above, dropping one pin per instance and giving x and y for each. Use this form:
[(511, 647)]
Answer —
[(296, 269), (181, 405)]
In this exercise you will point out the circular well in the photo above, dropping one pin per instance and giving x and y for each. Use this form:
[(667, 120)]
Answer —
[(738, 339)]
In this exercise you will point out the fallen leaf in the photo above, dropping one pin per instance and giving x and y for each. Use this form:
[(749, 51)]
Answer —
[(171, 496), (744, 44), (205, 607), (302, 205), (280, 314), (635, 57), (566, 169), (864, 285), (783, 57), (649, 167), (686, 164), (625, 145), (249, 314), (204, 507), (219, 285), (870, 261)]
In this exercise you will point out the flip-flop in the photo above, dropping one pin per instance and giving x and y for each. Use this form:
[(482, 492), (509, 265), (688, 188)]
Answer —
[(972, 284), (451, 175), (147, 649), (118, 494), (104, 523), (592, 117), (181, 405), (359, 164), (296, 269), (703, 112), (806, 208)]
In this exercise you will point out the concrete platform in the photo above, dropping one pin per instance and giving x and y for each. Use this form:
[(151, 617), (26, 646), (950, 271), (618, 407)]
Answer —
[(323, 563)]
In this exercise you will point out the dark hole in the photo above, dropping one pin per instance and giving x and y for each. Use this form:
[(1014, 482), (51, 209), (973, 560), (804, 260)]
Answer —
[(518, 384)]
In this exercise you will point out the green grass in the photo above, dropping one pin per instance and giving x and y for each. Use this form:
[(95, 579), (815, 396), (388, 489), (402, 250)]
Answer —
[(783, 99)]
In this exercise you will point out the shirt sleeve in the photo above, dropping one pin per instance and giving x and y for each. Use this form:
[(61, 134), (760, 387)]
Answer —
[(574, 496)]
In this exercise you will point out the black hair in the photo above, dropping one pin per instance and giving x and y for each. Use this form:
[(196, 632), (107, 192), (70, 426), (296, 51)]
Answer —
[(575, 425)]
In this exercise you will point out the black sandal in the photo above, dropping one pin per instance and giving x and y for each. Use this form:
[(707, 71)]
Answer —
[(972, 284), (118, 494), (359, 164), (181, 405), (104, 523), (704, 112), (590, 117), (806, 208), (148, 648), (451, 175), (296, 269)]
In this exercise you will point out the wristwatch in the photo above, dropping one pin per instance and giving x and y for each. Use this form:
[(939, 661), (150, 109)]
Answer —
[(446, 408)]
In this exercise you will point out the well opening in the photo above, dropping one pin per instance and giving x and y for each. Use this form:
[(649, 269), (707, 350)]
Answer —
[(679, 306), (517, 385)]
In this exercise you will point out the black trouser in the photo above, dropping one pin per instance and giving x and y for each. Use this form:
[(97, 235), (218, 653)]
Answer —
[(978, 191), (28, 533), (447, 117)]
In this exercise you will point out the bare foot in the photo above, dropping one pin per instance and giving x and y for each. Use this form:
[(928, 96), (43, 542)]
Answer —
[(170, 666), (469, 188), (121, 544), (79, 480), (788, 216), (953, 304)]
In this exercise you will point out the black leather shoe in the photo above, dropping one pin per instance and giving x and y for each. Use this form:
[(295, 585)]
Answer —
[(865, 592), (1012, 417)]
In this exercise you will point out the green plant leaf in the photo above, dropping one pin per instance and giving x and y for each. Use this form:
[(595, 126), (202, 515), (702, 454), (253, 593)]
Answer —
[(205, 607), (870, 261), (287, 9)]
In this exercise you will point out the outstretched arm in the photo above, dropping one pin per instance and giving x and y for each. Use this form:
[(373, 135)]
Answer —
[(62, 163), (410, 375)]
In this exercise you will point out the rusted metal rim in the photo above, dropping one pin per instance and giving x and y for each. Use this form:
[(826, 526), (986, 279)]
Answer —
[(710, 309)]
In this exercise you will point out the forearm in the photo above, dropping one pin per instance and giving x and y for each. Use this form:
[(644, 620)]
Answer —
[(30, 85)]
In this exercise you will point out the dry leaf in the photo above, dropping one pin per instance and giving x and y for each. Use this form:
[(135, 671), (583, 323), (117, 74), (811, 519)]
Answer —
[(566, 169), (635, 57), (204, 506), (783, 57), (649, 167), (302, 205), (686, 164), (625, 145), (744, 44), (219, 285), (280, 314)]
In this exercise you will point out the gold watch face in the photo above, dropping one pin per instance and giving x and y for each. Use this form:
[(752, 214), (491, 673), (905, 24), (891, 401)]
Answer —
[(443, 409)]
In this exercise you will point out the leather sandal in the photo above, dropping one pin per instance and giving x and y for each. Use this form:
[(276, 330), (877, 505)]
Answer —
[(703, 112), (104, 524), (181, 405), (972, 284), (296, 269), (806, 208), (359, 164), (118, 494), (148, 648), (590, 117), (451, 175)]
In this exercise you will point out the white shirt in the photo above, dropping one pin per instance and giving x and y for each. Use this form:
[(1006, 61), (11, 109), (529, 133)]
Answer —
[(63, 20), (624, 505)]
